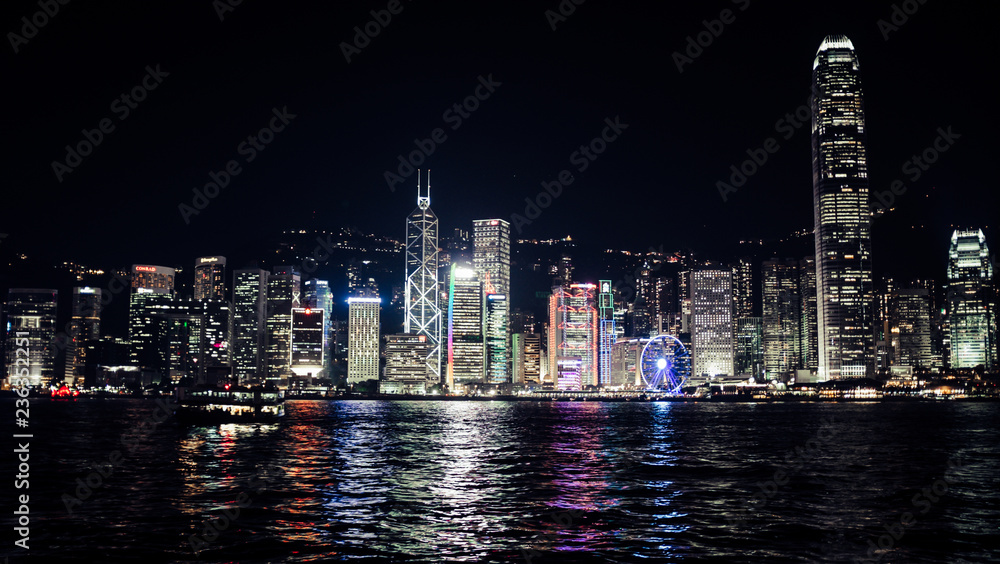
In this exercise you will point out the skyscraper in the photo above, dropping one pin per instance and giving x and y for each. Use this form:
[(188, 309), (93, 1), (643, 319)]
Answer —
[(85, 325), (466, 345), (31, 325), (249, 318), (910, 336), (606, 337), (210, 278), (284, 293), (308, 354), (498, 358), (842, 215), (712, 346), (146, 280), (573, 336), (423, 314), (971, 309), (405, 364), (808, 338), (491, 261), (318, 296), (782, 307), (362, 339), (750, 347)]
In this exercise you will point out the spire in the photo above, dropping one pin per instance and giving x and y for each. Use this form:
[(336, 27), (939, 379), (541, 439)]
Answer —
[(424, 202)]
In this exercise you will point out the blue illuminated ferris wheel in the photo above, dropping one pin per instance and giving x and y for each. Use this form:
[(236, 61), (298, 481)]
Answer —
[(665, 364)]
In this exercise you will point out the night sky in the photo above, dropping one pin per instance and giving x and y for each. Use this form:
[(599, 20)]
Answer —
[(654, 185)]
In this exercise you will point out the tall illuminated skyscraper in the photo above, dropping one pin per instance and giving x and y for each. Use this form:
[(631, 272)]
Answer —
[(284, 293), (491, 254), (607, 336), (573, 336), (249, 318), (782, 307), (466, 346), (31, 324), (362, 339), (491, 261), (210, 278), (844, 293), (498, 357), (146, 280), (423, 314), (712, 332), (85, 325), (971, 309), (317, 295)]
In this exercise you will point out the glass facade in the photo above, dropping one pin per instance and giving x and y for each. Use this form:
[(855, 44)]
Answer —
[(842, 216)]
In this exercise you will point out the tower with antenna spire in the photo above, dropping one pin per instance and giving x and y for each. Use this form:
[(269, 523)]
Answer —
[(423, 314)]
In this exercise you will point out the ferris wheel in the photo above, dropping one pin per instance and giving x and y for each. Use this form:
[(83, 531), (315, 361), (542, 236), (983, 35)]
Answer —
[(665, 364)]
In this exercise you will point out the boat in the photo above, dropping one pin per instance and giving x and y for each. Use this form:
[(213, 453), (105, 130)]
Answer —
[(212, 406)]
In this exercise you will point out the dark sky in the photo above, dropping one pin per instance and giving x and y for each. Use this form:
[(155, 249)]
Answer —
[(654, 185)]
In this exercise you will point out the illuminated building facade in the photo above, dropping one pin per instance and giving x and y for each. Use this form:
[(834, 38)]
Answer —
[(607, 335), (317, 295), (750, 347), (971, 307), (625, 359), (84, 325), (182, 336), (362, 339), (808, 337), (31, 325), (491, 261), (466, 343), (842, 216), (573, 336), (145, 281), (308, 352), (712, 346), (496, 338), (210, 278), (423, 313), (284, 293), (910, 335), (406, 370), (782, 306), (249, 318)]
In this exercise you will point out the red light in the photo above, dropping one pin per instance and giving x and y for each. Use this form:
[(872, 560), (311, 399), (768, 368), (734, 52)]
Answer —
[(308, 311), (146, 268), (227, 386), (494, 222)]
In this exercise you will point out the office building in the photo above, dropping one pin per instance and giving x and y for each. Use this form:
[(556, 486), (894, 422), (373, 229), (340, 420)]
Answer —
[(362, 339), (284, 293), (84, 326), (406, 370), (249, 318), (210, 278), (842, 216), (971, 304), (466, 342), (31, 324), (712, 331), (145, 281), (308, 339), (423, 312), (573, 336)]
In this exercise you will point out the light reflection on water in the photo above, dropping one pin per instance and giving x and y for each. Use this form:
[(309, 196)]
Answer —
[(441, 481)]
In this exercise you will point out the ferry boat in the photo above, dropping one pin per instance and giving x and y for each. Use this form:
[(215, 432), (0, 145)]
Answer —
[(211, 406)]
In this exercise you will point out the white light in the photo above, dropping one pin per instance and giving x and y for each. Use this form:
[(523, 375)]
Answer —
[(661, 364)]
